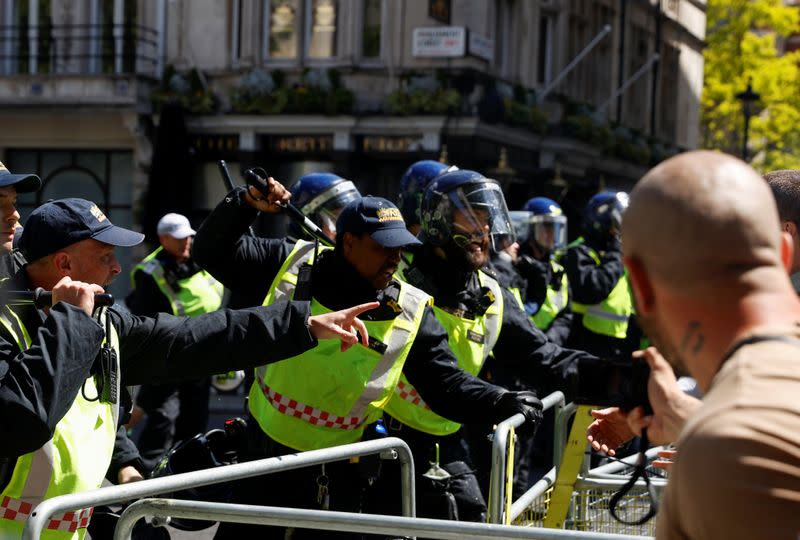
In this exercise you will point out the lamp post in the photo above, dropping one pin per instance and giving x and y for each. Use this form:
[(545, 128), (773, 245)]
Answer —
[(748, 97)]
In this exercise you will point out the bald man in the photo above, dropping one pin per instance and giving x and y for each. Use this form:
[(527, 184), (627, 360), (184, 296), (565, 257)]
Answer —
[(708, 261), (785, 187)]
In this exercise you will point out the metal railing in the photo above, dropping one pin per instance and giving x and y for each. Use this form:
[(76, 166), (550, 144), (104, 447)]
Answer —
[(497, 495), (590, 489), (83, 49), (147, 488), (339, 521)]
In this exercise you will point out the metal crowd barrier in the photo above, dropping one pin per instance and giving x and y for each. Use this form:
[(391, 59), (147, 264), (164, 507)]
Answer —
[(497, 483), (394, 447), (339, 521), (584, 493)]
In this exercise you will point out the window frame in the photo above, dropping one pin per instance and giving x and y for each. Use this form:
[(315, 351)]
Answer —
[(303, 32), (360, 19), (551, 17)]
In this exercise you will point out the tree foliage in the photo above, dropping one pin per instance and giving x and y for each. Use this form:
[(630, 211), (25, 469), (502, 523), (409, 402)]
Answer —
[(743, 38)]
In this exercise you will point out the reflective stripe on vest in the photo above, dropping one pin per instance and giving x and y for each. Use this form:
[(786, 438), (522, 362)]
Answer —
[(74, 460), (70, 522), (409, 393), (555, 301), (325, 397), (609, 317), (407, 405), (197, 294), (290, 407)]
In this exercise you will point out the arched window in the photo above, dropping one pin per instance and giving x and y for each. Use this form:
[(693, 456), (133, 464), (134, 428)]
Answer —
[(102, 176)]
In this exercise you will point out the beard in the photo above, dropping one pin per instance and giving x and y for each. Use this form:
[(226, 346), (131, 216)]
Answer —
[(470, 258)]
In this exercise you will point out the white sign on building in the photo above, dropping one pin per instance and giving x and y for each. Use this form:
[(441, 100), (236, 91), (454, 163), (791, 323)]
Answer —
[(440, 42), (481, 46)]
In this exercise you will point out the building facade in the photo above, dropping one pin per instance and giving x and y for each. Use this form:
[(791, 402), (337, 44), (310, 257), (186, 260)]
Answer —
[(554, 97)]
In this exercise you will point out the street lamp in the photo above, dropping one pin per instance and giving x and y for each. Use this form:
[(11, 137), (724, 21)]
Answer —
[(748, 97), (503, 173)]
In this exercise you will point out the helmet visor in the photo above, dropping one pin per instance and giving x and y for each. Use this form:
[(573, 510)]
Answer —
[(480, 210), (326, 207), (619, 207), (333, 199), (549, 232), (521, 220)]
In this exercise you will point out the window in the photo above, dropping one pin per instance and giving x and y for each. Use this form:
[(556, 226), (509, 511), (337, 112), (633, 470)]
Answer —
[(292, 27), (236, 31), (637, 96), (101, 176), (371, 29), (577, 39), (322, 38), (504, 30), (282, 24), (8, 38), (670, 72), (590, 80), (40, 37), (544, 65), (118, 42), (602, 57), (34, 35)]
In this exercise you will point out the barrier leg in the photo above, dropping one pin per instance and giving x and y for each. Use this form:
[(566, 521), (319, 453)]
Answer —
[(571, 462)]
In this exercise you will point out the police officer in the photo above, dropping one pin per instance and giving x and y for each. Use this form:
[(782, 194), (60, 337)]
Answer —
[(10, 186), (169, 281), (341, 394), (412, 186), (126, 464), (64, 369), (601, 299), (547, 291), (463, 216), (320, 196)]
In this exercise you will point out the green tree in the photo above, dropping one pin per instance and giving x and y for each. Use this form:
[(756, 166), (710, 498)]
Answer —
[(742, 38)]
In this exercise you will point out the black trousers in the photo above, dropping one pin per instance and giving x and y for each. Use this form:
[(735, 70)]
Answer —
[(298, 488)]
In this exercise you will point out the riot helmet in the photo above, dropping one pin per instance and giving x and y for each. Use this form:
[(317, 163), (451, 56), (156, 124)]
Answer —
[(547, 225), (413, 184), (320, 196), (520, 220), (462, 206), (602, 217)]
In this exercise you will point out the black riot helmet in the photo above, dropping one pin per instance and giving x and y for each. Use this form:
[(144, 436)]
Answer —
[(468, 197)]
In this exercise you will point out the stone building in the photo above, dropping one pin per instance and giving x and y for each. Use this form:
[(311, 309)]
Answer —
[(554, 97)]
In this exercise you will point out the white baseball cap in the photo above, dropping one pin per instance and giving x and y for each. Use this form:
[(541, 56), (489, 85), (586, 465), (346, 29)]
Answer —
[(176, 226)]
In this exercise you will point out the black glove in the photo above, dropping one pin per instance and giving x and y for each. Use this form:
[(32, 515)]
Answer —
[(525, 403)]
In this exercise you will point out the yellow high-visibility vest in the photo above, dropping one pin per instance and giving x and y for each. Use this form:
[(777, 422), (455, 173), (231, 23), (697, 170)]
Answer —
[(471, 340), (199, 293), (74, 460), (609, 317), (325, 397)]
